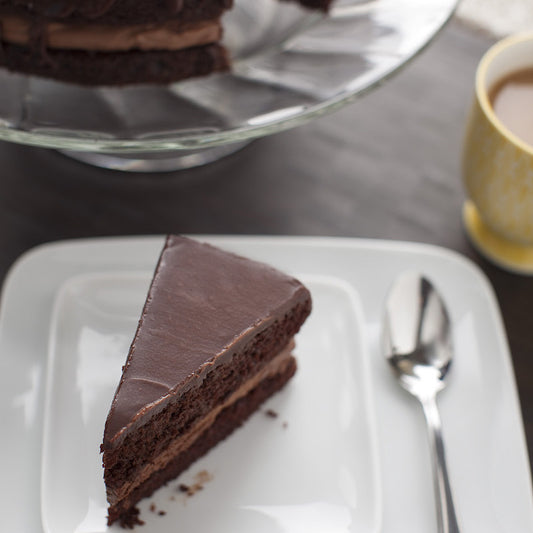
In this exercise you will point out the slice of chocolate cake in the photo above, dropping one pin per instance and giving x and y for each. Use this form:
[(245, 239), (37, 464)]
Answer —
[(213, 342)]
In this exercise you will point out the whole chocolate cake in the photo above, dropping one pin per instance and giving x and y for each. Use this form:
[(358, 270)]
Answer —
[(115, 42), (213, 342)]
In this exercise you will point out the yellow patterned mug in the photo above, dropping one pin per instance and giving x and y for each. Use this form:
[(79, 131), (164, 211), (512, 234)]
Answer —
[(498, 166)]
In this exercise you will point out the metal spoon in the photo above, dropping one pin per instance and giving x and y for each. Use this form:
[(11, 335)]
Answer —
[(417, 344)]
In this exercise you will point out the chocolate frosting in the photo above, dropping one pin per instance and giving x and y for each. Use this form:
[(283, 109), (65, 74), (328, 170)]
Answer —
[(203, 305), (98, 37)]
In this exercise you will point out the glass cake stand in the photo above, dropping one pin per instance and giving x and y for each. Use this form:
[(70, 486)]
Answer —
[(289, 66)]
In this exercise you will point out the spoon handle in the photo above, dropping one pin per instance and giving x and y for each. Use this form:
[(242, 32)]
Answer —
[(445, 509)]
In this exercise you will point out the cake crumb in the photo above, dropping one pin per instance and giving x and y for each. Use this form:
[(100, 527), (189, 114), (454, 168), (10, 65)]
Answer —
[(131, 519), (203, 477), (285, 425), (153, 509), (200, 479), (271, 413)]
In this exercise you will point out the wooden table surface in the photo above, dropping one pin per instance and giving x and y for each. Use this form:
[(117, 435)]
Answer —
[(385, 167)]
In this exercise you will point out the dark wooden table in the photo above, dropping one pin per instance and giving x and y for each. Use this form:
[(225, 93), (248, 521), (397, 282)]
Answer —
[(384, 167)]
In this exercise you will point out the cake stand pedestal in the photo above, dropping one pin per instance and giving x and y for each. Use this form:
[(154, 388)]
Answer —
[(158, 161)]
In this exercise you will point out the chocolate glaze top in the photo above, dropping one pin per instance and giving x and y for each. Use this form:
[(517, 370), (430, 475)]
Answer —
[(203, 305)]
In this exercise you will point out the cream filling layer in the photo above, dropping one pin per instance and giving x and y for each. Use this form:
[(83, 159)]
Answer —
[(101, 38), (275, 366)]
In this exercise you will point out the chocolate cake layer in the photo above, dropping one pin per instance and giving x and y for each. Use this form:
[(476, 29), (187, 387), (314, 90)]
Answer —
[(170, 35), (189, 410), (214, 327), (226, 422), (116, 11), (115, 68)]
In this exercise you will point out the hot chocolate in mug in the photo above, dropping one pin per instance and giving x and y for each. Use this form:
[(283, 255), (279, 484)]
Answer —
[(497, 163)]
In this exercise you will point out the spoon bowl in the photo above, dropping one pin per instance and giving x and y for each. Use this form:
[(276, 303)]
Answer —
[(417, 335)]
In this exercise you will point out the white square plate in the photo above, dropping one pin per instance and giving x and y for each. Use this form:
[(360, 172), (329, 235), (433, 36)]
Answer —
[(312, 468), (483, 431)]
